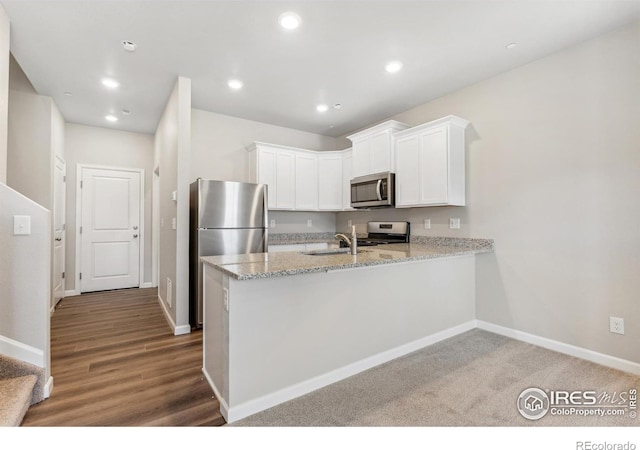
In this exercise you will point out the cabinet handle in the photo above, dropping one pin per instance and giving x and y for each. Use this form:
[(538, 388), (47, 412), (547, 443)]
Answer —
[(58, 239), (135, 235)]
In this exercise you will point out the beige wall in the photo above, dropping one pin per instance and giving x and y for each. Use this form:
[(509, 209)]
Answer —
[(4, 90), (110, 148), (172, 146), (218, 152), (553, 176)]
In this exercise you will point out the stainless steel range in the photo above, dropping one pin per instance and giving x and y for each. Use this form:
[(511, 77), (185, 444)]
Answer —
[(380, 233)]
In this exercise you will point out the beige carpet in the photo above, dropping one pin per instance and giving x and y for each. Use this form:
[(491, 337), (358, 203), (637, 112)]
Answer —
[(473, 379)]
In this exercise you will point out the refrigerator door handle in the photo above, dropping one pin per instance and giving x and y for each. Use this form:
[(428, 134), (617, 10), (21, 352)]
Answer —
[(265, 208)]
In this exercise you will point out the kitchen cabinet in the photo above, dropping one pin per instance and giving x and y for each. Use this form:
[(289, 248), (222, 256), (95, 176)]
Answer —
[(430, 164), (274, 166), (330, 181), (373, 150), (301, 179), (347, 171), (306, 181)]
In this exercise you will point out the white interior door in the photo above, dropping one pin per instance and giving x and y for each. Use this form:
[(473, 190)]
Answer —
[(59, 238), (110, 229)]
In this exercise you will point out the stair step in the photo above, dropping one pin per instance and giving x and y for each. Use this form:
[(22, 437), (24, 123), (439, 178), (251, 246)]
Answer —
[(15, 399)]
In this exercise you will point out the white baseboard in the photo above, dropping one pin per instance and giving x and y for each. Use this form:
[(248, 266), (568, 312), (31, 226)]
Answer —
[(224, 408), (177, 330), (561, 347), (22, 352), (234, 413), (48, 387), (148, 284), (71, 293)]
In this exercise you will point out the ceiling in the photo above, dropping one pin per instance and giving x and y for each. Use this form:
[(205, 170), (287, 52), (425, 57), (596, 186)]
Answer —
[(337, 55)]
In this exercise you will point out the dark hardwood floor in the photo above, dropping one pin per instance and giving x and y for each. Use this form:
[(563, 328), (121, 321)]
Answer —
[(116, 362)]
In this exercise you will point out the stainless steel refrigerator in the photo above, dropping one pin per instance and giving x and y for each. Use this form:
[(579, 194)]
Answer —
[(226, 218)]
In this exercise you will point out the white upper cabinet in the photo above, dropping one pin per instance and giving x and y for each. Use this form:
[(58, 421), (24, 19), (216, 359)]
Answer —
[(300, 179), (373, 150), (274, 166), (347, 170), (330, 181), (430, 164), (306, 176)]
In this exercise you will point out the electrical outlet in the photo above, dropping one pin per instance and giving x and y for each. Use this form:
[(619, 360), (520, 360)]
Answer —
[(454, 223), (309, 222), (273, 223), (349, 223), (427, 224), (226, 298), (174, 223), (616, 325)]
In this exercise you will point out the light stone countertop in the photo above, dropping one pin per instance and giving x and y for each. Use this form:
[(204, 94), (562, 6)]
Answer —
[(271, 265)]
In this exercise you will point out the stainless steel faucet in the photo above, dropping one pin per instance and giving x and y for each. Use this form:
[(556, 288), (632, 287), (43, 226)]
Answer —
[(352, 243)]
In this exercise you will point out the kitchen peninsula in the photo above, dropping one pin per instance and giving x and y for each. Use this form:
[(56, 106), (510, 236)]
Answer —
[(280, 325)]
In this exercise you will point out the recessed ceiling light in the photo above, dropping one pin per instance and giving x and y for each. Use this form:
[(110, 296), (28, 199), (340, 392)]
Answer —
[(337, 105), (110, 83), (68, 94), (235, 84), (111, 118), (289, 20), (125, 112), (322, 108), (129, 46), (393, 66), (510, 45)]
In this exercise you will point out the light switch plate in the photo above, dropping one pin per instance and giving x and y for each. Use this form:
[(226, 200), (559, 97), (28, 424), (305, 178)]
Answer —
[(427, 224), (21, 225), (454, 223), (309, 222), (174, 196), (173, 223)]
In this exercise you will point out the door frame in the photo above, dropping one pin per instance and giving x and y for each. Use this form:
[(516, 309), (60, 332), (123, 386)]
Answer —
[(78, 262)]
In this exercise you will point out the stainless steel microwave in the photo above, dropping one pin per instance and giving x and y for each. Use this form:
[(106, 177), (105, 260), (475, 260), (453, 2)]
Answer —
[(373, 191)]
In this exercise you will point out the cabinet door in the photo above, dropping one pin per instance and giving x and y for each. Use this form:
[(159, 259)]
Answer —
[(361, 151), (285, 194), (434, 166), (266, 174), (306, 195), (380, 153), (408, 171), (347, 170), (330, 182)]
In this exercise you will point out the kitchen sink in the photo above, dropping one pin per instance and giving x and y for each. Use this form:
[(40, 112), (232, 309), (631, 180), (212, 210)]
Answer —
[(331, 251), (327, 251)]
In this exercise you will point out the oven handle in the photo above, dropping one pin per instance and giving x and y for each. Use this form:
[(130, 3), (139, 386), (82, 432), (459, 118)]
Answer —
[(378, 186)]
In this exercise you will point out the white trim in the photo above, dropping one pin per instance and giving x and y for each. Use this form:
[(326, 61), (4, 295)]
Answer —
[(71, 293), (23, 352), (146, 284), (224, 408), (231, 414), (177, 330), (78, 261), (48, 387), (560, 347)]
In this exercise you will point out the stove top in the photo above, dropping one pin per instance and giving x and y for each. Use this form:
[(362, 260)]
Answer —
[(381, 233)]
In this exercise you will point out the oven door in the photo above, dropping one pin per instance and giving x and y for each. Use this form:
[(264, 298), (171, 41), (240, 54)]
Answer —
[(373, 191)]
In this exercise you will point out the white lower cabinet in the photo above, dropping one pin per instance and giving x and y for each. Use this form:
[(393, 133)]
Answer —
[(430, 164)]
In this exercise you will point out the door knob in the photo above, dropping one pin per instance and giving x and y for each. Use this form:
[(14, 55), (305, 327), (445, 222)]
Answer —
[(135, 235)]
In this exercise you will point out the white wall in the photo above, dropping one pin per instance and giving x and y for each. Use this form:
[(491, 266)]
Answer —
[(553, 170), (172, 146), (4, 90), (113, 148), (25, 281)]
